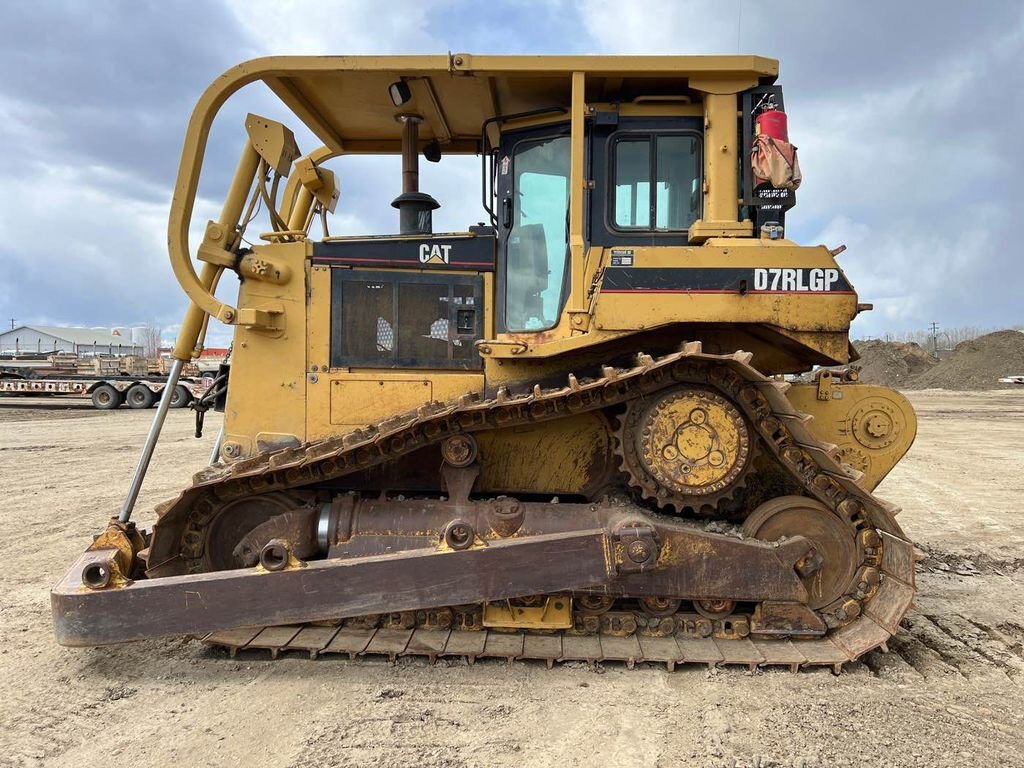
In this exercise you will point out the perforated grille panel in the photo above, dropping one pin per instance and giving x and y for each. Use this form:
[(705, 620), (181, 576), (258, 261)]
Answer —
[(394, 320)]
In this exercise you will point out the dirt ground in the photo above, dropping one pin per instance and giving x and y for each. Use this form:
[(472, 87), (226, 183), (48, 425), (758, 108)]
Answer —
[(951, 692)]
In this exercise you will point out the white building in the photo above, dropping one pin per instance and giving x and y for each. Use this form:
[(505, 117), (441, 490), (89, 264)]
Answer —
[(26, 339)]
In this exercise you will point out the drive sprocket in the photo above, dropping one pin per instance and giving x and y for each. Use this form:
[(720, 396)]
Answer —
[(688, 448)]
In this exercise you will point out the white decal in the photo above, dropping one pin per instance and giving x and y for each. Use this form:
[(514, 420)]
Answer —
[(436, 253), (795, 280), (622, 257)]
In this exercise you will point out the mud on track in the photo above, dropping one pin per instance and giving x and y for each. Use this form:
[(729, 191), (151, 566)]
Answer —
[(951, 692)]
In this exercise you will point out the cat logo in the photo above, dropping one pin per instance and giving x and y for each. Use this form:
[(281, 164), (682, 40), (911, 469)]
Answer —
[(434, 254)]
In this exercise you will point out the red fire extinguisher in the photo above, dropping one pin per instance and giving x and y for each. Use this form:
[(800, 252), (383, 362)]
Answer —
[(772, 122)]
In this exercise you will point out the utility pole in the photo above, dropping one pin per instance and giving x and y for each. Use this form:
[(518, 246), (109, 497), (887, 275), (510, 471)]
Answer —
[(12, 323), (935, 339)]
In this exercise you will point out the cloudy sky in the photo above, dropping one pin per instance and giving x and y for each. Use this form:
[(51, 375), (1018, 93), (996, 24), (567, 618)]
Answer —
[(907, 115)]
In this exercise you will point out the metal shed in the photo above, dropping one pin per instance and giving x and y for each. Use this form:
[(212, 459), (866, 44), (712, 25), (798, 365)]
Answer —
[(28, 339)]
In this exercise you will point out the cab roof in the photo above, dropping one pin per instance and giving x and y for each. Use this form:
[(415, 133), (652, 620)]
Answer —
[(344, 99)]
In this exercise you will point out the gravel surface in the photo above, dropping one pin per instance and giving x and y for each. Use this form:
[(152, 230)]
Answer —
[(948, 694)]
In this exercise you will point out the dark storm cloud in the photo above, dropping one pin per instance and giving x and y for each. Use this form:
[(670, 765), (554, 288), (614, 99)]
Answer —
[(111, 83)]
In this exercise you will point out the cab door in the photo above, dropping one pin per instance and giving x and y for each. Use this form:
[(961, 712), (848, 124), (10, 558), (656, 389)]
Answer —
[(533, 226)]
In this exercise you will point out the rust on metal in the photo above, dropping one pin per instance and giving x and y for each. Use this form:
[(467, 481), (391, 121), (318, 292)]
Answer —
[(815, 565)]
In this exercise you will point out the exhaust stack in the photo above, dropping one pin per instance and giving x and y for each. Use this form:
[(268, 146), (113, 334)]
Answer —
[(414, 207)]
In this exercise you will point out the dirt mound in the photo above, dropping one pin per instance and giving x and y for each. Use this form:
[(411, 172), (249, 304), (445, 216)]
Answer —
[(977, 364), (892, 363)]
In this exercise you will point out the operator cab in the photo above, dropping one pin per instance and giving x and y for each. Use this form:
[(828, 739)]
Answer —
[(646, 190), (644, 161)]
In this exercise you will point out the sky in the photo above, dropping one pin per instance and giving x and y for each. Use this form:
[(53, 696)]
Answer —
[(907, 117)]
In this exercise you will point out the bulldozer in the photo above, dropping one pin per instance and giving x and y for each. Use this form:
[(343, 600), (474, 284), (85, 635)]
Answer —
[(576, 430)]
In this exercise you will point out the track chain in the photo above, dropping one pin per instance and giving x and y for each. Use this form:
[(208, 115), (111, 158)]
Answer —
[(860, 621)]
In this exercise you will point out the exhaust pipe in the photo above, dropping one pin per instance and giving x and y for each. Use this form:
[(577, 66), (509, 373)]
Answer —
[(414, 207)]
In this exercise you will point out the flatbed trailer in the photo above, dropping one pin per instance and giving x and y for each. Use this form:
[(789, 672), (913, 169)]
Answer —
[(106, 392)]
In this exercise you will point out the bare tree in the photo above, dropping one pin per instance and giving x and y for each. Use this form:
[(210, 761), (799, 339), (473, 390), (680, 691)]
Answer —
[(151, 340), (945, 338)]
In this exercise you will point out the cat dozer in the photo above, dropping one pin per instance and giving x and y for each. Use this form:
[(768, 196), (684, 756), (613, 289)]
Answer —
[(564, 433)]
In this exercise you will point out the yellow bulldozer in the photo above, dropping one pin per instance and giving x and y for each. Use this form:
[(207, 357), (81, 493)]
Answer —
[(565, 433)]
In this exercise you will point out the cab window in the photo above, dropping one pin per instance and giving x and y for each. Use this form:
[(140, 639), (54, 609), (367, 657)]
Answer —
[(656, 185)]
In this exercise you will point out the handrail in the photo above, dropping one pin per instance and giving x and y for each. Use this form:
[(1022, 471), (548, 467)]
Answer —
[(186, 186), (268, 68)]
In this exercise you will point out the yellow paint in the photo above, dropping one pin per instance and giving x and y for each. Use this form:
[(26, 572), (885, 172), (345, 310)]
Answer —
[(692, 442), (577, 187), (555, 613), (345, 399), (282, 384), (721, 190), (819, 322), (342, 100), (368, 395), (356, 402), (549, 457), (872, 426), (268, 368)]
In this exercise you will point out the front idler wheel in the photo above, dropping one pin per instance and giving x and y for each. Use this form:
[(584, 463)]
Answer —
[(829, 569)]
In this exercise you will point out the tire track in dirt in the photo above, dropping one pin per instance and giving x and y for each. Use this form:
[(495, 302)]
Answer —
[(950, 692)]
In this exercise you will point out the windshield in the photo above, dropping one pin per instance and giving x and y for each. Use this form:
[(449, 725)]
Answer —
[(537, 245)]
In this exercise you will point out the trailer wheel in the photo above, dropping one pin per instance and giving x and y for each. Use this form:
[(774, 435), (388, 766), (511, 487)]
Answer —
[(181, 397), (139, 396), (105, 398)]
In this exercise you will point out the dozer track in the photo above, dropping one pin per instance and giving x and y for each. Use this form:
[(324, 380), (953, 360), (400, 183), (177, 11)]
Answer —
[(551, 648), (863, 618), (690, 640)]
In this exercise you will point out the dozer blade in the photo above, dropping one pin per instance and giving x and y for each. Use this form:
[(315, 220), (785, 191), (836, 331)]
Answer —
[(631, 555), (324, 589)]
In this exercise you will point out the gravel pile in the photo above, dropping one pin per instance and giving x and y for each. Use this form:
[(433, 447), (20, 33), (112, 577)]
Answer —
[(977, 364), (973, 365), (892, 363)]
